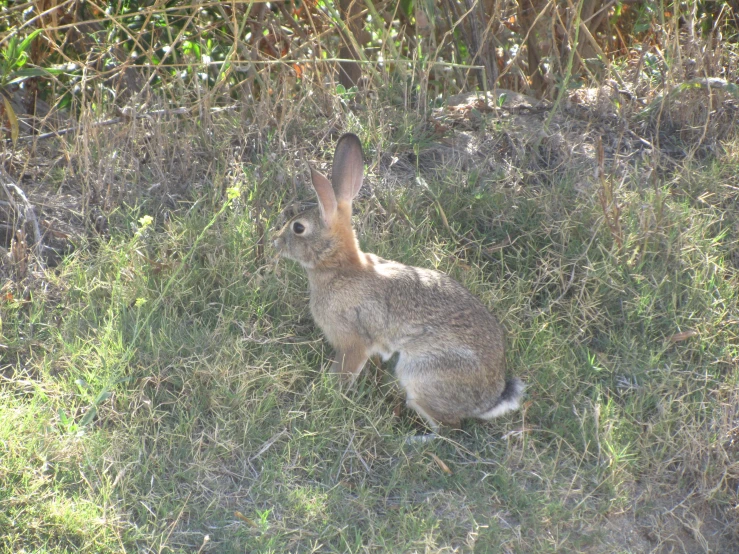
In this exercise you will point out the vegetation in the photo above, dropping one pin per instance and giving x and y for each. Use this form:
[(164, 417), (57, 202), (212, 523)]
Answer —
[(161, 381)]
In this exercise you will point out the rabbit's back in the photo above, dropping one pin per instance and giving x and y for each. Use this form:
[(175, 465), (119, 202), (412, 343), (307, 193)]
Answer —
[(411, 310)]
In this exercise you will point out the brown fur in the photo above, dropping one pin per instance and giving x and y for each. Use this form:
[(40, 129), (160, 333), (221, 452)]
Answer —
[(451, 349), (347, 252)]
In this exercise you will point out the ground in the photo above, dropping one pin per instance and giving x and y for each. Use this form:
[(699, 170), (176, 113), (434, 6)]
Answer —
[(163, 385)]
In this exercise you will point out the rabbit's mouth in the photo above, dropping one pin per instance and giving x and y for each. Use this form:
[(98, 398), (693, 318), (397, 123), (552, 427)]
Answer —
[(280, 247), (278, 244)]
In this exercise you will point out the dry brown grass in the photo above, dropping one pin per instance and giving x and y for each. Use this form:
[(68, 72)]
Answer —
[(616, 278)]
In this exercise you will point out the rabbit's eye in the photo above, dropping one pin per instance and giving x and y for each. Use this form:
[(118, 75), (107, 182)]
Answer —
[(298, 228)]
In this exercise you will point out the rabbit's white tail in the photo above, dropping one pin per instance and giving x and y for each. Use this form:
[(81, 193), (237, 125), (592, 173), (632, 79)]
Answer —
[(509, 399)]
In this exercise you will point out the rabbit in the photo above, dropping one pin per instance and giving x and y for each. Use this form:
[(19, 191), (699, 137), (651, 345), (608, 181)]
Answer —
[(451, 350)]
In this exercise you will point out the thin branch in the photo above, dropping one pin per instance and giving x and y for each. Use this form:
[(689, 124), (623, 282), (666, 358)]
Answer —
[(28, 212), (113, 121)]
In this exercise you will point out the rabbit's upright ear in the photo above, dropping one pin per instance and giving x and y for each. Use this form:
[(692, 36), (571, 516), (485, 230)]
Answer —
[(326, 196), (348, 168)]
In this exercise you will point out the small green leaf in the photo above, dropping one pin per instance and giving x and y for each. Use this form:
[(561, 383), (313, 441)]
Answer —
[(102, 397), (9, 52), (188, 47), (12, 119), (23, 74), (406, 7), (28, 40), (89, 416)]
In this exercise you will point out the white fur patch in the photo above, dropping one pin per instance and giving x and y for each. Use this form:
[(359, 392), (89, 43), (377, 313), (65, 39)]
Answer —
[(507, 405), (381, 350)]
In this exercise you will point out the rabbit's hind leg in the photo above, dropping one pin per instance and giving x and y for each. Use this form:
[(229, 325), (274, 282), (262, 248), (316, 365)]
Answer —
[(424, 412), (349, 362)]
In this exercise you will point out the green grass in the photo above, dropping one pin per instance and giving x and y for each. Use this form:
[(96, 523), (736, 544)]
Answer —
[(169, 377)]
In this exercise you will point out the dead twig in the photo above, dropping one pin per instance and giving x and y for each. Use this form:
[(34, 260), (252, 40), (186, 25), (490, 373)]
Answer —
[(113, 121), (608, 202), (28, 212)]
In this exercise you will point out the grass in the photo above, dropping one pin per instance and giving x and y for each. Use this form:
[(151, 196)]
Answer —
[(163, 392)]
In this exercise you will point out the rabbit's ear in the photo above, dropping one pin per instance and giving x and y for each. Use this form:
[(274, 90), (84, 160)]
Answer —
[(348, 168), (326, 196)]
